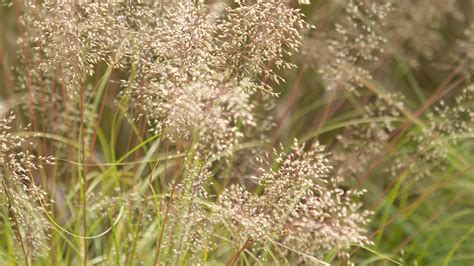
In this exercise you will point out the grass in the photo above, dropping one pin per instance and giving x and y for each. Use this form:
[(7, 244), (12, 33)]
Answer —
[(121, 196)]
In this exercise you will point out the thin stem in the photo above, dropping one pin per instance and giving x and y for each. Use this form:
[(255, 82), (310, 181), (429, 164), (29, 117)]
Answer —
[(84, 178), (235, 257)]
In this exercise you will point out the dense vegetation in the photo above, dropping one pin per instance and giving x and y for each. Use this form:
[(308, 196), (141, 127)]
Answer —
[(237, 132)]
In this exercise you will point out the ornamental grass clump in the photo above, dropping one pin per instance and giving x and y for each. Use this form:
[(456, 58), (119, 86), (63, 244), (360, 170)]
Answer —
[(247, 132)]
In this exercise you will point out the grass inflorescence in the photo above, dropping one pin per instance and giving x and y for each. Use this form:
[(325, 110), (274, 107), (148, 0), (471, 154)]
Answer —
[(237, 132)]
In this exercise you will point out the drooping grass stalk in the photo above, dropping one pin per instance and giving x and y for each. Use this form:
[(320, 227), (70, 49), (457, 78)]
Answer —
[(17, 225)]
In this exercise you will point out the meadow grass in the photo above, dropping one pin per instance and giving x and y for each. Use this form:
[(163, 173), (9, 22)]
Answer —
[(277, 132)]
